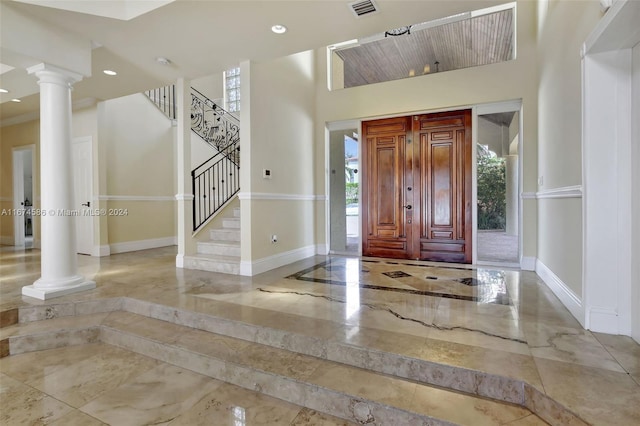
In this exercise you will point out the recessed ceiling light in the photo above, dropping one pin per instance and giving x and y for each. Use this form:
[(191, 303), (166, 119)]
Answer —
[(15, 100), (279, 29), (109, 72), (163, 61), (4, 91)]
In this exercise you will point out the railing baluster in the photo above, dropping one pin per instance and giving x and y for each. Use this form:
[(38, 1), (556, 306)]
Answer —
[(219, 129)]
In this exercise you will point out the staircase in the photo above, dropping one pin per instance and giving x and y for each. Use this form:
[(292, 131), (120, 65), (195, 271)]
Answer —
[(215, 182), (222, 252), (293, 358)]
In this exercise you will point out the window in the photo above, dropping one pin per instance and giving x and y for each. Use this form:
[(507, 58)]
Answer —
[(232, 89)]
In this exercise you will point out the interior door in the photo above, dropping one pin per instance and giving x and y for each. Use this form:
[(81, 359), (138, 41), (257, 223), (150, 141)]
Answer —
[(83, 192), (417, 187)]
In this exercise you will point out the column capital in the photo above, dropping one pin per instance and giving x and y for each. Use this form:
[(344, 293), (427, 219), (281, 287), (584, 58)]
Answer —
[(48, 73)]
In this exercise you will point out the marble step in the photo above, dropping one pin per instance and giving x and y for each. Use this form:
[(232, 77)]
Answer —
[(223, 248), (222, 234), (213, 263), (333, 388), (379, 352), (231, 223)]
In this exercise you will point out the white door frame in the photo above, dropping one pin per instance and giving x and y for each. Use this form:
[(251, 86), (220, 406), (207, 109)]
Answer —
[(18, 192), (609, 260), (484, 109)]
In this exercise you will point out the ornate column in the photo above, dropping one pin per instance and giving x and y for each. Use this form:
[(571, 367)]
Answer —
[(59, 267)]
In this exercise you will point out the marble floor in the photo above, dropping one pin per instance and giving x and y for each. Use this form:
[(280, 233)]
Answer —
[(499, 322)]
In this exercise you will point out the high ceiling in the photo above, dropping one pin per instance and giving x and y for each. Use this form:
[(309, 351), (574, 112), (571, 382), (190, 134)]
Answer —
[(470, 42), (204, 37)]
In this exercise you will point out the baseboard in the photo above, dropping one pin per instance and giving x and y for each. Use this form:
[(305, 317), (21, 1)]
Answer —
[(322, 249), (101, 251), (568, 298), (528, 263), (142, 245), (603, 320), (277, 260)]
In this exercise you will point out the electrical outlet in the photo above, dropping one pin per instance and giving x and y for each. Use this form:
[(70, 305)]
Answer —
[(274, 239), (541, 181)]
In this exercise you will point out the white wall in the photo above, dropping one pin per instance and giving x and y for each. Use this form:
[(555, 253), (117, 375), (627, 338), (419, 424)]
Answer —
[(212, 86), (136, 142), (635, 190), (516, 79), (277, 134), (564, 27)]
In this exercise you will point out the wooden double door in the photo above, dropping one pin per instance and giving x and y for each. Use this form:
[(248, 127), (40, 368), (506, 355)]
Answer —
[(416, 187)]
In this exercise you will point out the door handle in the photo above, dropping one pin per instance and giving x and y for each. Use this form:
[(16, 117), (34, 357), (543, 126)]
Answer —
[(408, 207), (87, 204)]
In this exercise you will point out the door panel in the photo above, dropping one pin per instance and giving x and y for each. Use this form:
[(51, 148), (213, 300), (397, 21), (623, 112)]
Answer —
[(445, 186), (417, 196), (384, 227), (83, 194)]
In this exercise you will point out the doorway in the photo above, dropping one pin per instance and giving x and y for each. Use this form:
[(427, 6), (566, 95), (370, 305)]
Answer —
[(416, 187), (23, 196), (497, 148), (344, 191)]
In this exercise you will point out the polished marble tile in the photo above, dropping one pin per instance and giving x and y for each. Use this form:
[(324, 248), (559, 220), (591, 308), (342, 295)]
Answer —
[(77, 418), (530, 420), (232, 405), (600, 396), (308, 417), (157, 396), (625, 350), (352, 307), (576, 346), (22, 404), (89, 378)]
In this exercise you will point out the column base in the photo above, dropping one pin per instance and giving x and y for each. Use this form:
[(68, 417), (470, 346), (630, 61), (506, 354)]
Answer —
[(46, 293)]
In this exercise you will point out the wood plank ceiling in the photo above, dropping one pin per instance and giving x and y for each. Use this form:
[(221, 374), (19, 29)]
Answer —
[(471, 42)]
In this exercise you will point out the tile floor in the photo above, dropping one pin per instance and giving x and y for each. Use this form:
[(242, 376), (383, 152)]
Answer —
[(497, 321)]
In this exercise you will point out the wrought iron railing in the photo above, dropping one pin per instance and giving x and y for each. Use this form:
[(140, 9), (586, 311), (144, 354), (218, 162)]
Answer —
[(217, 180), (217, 127), (165, 99)]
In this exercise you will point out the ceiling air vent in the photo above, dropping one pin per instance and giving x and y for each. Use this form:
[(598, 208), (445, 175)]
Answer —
[(361, 8)]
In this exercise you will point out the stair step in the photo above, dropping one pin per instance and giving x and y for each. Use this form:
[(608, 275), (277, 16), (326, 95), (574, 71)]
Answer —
[(213, 263), (224, 248), (225, 234), (341, 390), (231, 223)]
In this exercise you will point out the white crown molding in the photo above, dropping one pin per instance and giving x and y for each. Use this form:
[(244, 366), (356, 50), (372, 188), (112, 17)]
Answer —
[(287, 197), (136, 198)]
